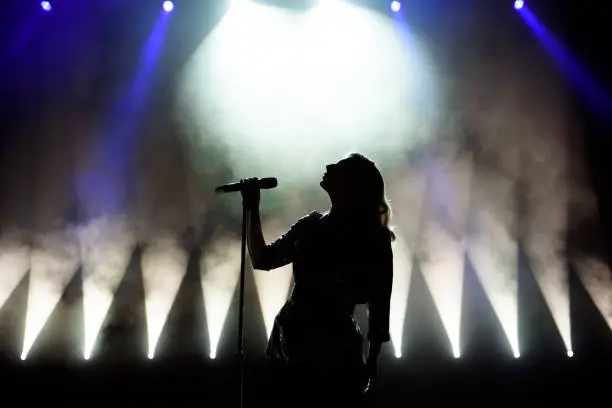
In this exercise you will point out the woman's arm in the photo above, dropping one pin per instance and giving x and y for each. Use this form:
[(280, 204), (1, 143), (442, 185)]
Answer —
[(255, 239), (279, 252)]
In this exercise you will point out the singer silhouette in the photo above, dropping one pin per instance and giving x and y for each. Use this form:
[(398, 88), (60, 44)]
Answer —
[(340, 259)]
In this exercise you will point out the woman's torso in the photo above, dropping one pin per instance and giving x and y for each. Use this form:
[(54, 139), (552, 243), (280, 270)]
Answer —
[(330, 267)]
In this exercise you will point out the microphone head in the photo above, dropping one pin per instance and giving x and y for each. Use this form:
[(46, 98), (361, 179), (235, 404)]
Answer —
[(268, 182)]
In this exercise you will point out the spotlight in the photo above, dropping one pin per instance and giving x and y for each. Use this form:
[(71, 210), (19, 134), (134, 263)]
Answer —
[(396, 6), (517, 354), (168, 6), (518, 4), (570, 353), (213, 355), (45, 5), (398, 354)]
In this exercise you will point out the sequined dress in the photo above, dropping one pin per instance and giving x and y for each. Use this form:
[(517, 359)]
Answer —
[(334, 269)]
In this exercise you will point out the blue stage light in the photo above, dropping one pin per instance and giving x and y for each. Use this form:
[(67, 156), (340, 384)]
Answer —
[(168, 6)]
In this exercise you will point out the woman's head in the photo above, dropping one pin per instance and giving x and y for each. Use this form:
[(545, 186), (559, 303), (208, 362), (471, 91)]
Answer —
[(355, 185)]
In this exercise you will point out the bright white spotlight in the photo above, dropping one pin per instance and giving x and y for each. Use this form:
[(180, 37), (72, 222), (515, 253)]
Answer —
[(46, 6), (168, 6), (106, 248), (281, 46), (518, 4), (54, 263), (443, 275), (456, 354), (517, 354), (24, 354), (493, 249), (396, 6), (570, 353), (213, 355), (402, 267), (151, 354), (163, 267), (442, 257), (220, 272)]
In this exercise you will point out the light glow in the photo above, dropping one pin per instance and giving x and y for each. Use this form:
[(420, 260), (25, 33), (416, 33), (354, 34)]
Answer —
[(164, 264), (441, 251), (14, 264), (106, 247), (596, 277), (405, 188), (308, 87), (493, 249), (220, 268), (402, 273), (55, 260), (168, 6)]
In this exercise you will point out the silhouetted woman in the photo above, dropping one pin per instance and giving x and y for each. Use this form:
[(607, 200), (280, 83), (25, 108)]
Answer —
[(340, 259)]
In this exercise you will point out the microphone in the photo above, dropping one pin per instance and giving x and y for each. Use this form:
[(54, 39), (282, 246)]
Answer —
[(252, 183)]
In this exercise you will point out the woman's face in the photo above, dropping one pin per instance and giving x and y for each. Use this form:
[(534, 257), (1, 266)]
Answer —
[(335, 179)]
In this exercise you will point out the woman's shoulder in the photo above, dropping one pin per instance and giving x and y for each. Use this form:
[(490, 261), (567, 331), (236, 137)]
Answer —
[(308, 220), (312, 216)]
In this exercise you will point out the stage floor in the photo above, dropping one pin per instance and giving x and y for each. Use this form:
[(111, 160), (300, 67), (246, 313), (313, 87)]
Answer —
[(186, 382)]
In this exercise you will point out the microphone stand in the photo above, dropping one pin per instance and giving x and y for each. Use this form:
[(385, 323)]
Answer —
[(241, 303), (257, 183)]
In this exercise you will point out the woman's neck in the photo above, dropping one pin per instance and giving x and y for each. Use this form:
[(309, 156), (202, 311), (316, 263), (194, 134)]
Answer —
[(349, 216), (342, 215)]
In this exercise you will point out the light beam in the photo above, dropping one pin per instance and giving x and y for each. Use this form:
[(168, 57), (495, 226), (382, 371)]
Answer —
[(106, 248), (55, 260), (14, 264), (441, 252), (493, 249), (164, 264), (220, 274)]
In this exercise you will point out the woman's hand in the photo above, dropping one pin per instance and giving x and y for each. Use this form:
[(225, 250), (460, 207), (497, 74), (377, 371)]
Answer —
[(250, 196)]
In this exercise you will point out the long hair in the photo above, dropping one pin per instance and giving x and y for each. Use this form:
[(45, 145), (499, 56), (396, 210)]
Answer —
[(368, 191)]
